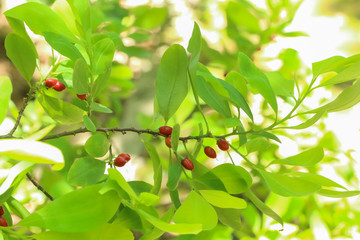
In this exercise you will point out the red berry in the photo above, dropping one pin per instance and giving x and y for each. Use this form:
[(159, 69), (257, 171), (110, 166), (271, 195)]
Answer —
[(1, 211), (50, 82), (59, 86), (210, 152), (168, 142), (223, 144), (125, 155), (187, 164), (3, 222), (81, 96), (165, 130), (120, 161)]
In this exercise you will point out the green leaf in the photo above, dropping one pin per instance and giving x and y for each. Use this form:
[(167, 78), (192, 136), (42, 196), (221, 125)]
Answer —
[(263, 207), (327, 65), (171, 80), (194, 48), (148, 199), (62, 45), (195, 210), (289, 186), (257, 144), (337, 194), (97, 145), (41, 133), (5, 96), (318, 179), (100, 83), (78, 211), (20, 169), (86, 171), (120, 180), (240, 15), (40, 18), (64, 10), (310, 121), (32, 151), (175, 137), (232, 122), (238, 82), (80, 77), (21, 54), (151, 18), (114, 231), (89, 124), (307, 158), (156, 166), (174, 176), (212, 98), (349, 73), (257, 79), (281, 86), (222, 199), (61, 111), (268, 135), (167, 227), (156, 233), (97, 107), (230, 217), (294, 34), (103, 55)]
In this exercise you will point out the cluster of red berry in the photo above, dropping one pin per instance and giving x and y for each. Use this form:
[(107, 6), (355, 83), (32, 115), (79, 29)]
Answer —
[(221, 143), (3, 222), (121, 159), (59, 86)]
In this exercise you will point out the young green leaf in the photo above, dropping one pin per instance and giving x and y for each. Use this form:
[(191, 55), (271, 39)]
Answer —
[(318, 179), (103, 55), (21, 54), (18, 170), (86, 171), (237, 81), (268, 135), (281, 86), (78, 211), (257, 144), (222, 199), (97, 107), (100, 83), (289, 186), (175, 137), (257, 79), (40, 18), (349, 73), (97, 145), (148, 199), (156, 166), (80, 77), (171, 80), (41, 133), (5, 96), (239, 14), (195, 210), (230, 217), (89, 124), (120, 180), (62, 45), (61, 111), (337, 194), (307, 158), (175, 171), (327, 65)]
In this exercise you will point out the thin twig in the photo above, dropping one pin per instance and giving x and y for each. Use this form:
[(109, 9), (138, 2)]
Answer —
[(38, 186)]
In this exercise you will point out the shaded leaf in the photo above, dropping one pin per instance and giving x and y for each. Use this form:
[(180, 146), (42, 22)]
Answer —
[(97, 145), (86, 171), (80, 77), (156, 166)]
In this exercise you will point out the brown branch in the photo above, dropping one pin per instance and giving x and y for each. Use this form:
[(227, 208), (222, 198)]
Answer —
[(38, 186)]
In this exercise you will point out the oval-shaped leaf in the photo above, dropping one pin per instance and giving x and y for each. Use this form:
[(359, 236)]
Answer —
[(86, 171), (21, 54), (78, 211), (120, 180), (175, 171), (307, 158), (89, 124), (32, 151), (257, 79), (61, 111), (175, 137), (80, 77), (222, 199), (171, 80), (99, 108), (195, 210), (103, 55), (62, 45), (97, 145), (6, 90)]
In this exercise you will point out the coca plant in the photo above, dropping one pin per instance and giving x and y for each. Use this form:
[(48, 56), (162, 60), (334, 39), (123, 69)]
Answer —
[(102, 204)]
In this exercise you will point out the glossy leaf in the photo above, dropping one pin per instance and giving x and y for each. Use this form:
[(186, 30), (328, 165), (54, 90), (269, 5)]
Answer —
[(86, 171), (19, 169), (307, 158), (78, 211), (174, 176), (62, 45), (167, 227), (337, 194), (175, 137), (61, 111), (263, 207), (103, 55), (80, 77), (222, 199), (40, 18), (257, 79), (21, 54), (5, 96), (114, 231), (97, 145), (28, 150), (156, 166), (171, 81), (89, 124), (212, 98), (195, 210), (289, 186)]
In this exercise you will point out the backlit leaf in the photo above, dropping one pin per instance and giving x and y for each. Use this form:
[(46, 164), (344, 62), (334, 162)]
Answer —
[(6, 90)]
